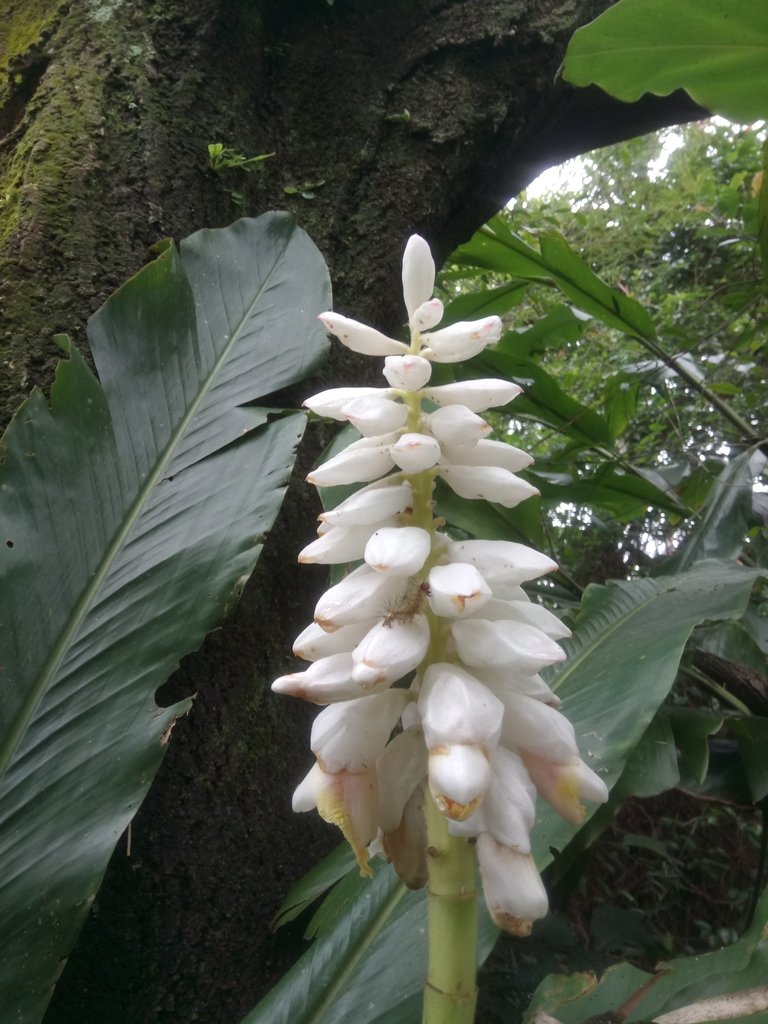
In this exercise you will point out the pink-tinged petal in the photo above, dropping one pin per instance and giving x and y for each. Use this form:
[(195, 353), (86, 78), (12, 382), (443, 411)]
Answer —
[(359, 597), (350, 736), (407, 373), (359, 337), (488, 482), (373, 415), (525, 611), (513, 890), (477, 395), (418, 274), (398, 551), (389, 651), (456, 708), (484, 643), (457, 589), (461, 340), (353, 466), (330, 403), (314, 642), (370, 505), (414, 453), (455, 424), (428, 315), (487, 453), (501, 560), (563, 784), (400, 768), (458, 778)]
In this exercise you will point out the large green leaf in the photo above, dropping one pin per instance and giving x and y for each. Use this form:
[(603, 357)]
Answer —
[(623, 658), (131, 514), (717, 51), (627, 993)]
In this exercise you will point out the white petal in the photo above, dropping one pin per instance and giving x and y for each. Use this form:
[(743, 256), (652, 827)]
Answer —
[(347, 800), (330, 403), (415, 452), (455, 424), (359, 597), (508, 810), (487, 453), (461, 340), (513, 890), (480, 642), (400, 769), (418, 274), (458, 778), (503, 679), (314, 642), (477, 395), (353, 466), (488, 482), (408, 373), (373, 415), (340, 544), (456, 708), (428, 315), (563, 784), (389, 651), (305, 794), (359, 337), (501, 560), (535, 728), (398, 551), (370, 506), (350, 736), (528, 612), (325, 681), (457, 589)]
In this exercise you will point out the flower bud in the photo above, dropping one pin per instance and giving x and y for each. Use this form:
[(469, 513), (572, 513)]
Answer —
[(353, 466), (561, 784), (458, 778), (428, 315), (461, 340), (457, 589), (488, 482), (480, 642), (508, 810), (487, 453), (325, 681), (408, 373), (528, 612), (501, 560), (455, 424), (359, 337), (373, 416), (456, 708), (477, 395), (513, 890), (350, 736), (370, 506), (415, 452), (330, 403), (400, 769), (389, 651), (339, 544), (418, 274), (314, 642), (359, 597), (398, 552)]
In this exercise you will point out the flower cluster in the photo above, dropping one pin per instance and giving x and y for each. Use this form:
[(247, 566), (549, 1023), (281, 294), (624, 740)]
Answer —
[(477, 723)]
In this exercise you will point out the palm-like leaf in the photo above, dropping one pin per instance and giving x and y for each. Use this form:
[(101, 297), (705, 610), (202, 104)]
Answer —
[(131, 513)]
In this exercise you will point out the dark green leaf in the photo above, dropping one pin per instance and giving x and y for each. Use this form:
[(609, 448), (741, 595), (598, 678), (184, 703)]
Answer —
[(751, 734), (133, 512), (315, 883), (485, 302), (717, 52), (651, 768), (692, 728)]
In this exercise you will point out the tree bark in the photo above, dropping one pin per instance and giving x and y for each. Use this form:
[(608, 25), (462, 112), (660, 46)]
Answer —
[(398, 116)]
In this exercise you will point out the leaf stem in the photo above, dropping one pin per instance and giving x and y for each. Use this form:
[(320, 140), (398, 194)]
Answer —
[(451, 993)]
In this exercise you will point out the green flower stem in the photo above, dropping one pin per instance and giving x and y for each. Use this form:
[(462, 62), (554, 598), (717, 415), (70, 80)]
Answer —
[(451, 992)]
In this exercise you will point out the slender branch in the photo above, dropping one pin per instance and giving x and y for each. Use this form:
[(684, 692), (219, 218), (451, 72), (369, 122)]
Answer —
[(720, 691)]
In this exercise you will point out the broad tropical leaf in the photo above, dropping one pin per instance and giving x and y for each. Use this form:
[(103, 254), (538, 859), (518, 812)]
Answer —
[(622, 661), (716, 51), (131, 513)]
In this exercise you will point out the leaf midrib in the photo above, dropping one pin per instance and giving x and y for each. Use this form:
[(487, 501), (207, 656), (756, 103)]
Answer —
[(82, 606)]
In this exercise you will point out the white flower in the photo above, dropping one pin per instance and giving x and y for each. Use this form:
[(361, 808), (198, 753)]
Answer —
[(508, 810), (455, 424), (362, 595), (314, 642), (326, 681), (457, 589), (408, 373), (562, 784), (350, 736), (339, 544), (359, 337), (513, 890), (398, 552), (370, 505), (477, 395), (462, 340), (353, 465), (389, 651), (418, 275), (487, 453), (480, 642), (331, 403), (459, 775), (456, 708), (502, 561), (488, 482), (414, 453), (428, 315), (373, 416)]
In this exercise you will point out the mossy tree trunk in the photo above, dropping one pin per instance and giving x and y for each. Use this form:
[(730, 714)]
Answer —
[(404, 115)]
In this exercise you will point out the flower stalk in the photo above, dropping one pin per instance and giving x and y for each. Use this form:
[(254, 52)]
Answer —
[(437, 729)]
